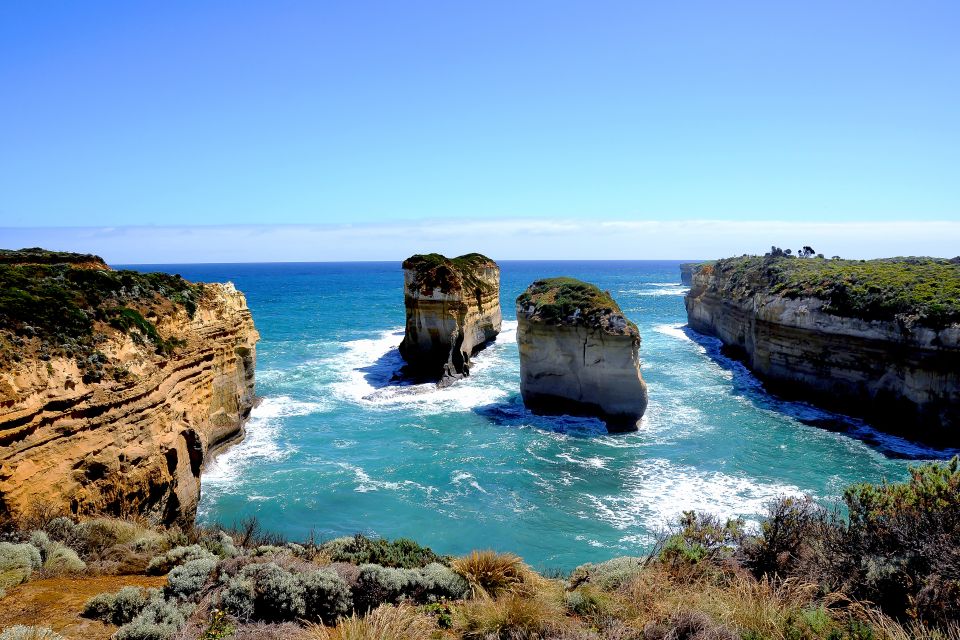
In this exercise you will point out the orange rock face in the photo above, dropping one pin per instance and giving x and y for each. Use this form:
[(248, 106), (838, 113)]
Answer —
[(137, 444)]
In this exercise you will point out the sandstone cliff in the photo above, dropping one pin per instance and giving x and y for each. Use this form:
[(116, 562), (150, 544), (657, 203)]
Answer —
[(115, 386), (877, 339), (579, 354), (453, 311), (686, 272)]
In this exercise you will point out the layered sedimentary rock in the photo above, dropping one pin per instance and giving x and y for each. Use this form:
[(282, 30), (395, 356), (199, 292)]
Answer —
[(876, 339), (579, 355), (117, 410), (453, 311)]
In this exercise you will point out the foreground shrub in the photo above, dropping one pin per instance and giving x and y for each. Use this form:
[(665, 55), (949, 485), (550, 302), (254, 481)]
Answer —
[(490, 573), (702, 537), (187, 579), (17, 562), (164, 562), (121, 607), (96, 535), (21, 632), (265, 592), (159, 620), (689, 624), (60, 529), (400, 553), (61, 559), (609, 575), (386, 622), (326, 596)]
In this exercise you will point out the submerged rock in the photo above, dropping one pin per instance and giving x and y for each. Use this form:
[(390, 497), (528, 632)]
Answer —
[(579, 355), (453, 311)]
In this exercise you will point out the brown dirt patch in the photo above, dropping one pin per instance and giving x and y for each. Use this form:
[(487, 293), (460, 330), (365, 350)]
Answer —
[(57, 602)]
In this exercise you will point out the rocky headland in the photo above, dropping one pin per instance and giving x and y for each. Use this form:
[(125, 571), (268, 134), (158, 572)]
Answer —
[(579, 355), (452, 312), (878, 339), (686, 272), (115, 386)]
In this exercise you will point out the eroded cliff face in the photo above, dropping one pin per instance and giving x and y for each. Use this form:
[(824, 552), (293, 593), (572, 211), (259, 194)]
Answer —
[(578, 361), (686, 272), (452, 312), (136, 441), (903, 377)]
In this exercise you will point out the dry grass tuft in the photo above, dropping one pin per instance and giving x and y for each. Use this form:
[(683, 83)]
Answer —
[(512, 616), (386, 622), (490, 573)]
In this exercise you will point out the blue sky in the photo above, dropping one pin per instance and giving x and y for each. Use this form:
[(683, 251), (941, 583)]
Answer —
[(381, 113)]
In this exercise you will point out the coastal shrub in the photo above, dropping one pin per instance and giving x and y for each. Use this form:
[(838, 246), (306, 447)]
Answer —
[(40, 540), (903, 541), (609, 575), (491, 573), (702, 537), (96, 535), (121, 607), (219, 543), (187, 579), (359, 549), (386, 622), (279, 594), (269, 550), (17, 562), (159, 620), (440, 582), (238, 597), (62, 559), (21, 632), (164, 562), (60, 528), (326, 595), (690, 624), (378, 585)]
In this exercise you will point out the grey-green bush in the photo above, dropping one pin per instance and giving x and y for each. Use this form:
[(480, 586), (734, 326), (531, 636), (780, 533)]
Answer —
[(238, 597), (326, 595), (219, 543), (280, 595), (40, 540), (159, 620), (378, 585), (121, 607), (608, 575), (164, 562), (61, 559), (60, 528), (440, 582), (17, 562), (187, 579), (21, 632)]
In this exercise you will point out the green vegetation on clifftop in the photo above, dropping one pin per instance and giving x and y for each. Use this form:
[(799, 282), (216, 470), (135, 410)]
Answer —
[(925, 291), (569, 301), (63, 305), (436, 271)]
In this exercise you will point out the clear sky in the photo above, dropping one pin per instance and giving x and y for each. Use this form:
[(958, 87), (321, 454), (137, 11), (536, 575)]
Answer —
[(381, 113)]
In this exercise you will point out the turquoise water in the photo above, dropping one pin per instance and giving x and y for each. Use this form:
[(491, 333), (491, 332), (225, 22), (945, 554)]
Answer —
[(336, 448)]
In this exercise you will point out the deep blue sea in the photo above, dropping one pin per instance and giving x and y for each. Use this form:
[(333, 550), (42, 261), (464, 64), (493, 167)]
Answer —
[(336, 448)]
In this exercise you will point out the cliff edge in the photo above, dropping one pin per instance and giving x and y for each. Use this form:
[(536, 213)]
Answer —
[(878, 339), (579, 355), (452, 312), (115, 385)]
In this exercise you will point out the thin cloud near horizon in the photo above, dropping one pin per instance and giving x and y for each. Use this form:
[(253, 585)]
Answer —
[(513, 239)]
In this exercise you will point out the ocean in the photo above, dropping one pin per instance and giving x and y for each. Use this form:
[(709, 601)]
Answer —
[(336, 448)]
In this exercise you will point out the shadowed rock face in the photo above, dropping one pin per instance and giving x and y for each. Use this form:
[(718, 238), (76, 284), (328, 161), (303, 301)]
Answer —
[(901, 375), (133, 438), (452, 312), (686, 272), (578, 354)]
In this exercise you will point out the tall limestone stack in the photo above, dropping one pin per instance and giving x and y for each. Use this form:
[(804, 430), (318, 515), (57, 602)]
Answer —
[(115, 386), (878, 339), (579, 355), (453, 311)]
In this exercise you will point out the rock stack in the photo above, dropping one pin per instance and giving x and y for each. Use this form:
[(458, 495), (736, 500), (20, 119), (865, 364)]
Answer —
[(453, 311), (579, 354)]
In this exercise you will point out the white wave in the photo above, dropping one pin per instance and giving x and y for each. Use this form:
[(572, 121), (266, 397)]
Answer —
[(366, 484), (673, 330), (261, 440), (664, 291), (658, 491), (367, 370)]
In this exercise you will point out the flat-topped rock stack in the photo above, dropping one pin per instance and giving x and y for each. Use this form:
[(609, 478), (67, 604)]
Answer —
[(452, 312), (579, 355)]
